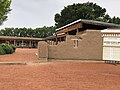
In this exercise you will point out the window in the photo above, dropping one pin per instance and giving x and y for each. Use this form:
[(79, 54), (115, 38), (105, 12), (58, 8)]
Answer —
[(75, 43)]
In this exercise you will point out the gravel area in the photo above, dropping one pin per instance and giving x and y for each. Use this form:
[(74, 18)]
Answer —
[(21, 54), (60, 76)]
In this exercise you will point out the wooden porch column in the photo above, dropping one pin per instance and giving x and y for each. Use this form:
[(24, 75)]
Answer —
[(15, 42), (77, 31), (60, 39), (8, 42), (56, 41), (47, 41), (22, 43), (30, 44), (50, 42), (36, 43), (64, 38)]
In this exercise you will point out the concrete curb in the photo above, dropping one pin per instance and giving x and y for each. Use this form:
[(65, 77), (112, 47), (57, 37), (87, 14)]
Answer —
[(81, 61), (13, 63)]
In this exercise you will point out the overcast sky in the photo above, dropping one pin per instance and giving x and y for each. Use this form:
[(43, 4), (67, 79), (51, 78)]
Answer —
[(38, 13)]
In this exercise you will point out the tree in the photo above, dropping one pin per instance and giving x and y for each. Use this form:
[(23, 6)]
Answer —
[(107, 18), (89, 10), (28, 32), (115, 20), (73, 12), (4, 10)]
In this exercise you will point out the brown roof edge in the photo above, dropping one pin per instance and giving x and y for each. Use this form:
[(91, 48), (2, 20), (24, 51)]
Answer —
[(92, 22), (20, 38)]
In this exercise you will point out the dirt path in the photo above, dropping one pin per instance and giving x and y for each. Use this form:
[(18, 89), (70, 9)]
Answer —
[(21, 54), (60, 76)]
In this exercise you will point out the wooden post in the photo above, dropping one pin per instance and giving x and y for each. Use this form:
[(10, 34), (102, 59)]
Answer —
[(60, 39), (22, 44), (56, 41), (50, 42), (77, 31), (14, 42), (8, 42), (29, 44), (65, 38)]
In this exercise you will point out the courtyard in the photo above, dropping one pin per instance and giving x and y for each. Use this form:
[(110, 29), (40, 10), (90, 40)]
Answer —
[(21, 54), (58, 75)]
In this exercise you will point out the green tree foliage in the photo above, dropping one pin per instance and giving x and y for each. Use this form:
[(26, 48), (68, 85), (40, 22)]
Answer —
[(74, 12), (28, 32), (4, 10), (115, 20), (89, 10)]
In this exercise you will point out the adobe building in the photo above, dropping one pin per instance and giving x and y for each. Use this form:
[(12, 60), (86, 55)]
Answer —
[(79, 40), (21, 42)]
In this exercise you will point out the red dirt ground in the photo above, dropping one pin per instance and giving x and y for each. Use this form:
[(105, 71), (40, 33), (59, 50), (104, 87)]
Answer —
[(60, 76), (56, 75), (21, 54)]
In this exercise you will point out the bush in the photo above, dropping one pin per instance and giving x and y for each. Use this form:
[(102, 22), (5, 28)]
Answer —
[(13, 46), (7, 49), (2, 52)]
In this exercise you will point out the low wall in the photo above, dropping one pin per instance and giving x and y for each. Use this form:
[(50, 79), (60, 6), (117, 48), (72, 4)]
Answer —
[(43, 51), (84, 45)]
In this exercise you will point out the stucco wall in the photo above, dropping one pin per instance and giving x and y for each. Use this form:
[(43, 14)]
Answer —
[(42, 51), (89, 47)]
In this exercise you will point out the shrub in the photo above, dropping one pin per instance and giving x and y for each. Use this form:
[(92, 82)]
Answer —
[(2, 52), (13, 46), (7, 48)]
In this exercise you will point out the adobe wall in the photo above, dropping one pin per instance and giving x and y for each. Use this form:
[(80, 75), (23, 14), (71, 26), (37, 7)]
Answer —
[(89, 46), (42, 51)]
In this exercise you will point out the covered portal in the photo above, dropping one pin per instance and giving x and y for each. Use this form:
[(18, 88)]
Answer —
[(23, 42)]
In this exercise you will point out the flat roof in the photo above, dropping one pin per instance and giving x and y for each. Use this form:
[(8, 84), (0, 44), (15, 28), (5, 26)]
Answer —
[(98, 23), (19, 38)]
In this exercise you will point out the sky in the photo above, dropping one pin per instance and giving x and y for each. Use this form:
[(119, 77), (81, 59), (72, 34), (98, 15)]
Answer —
[(39, 13)]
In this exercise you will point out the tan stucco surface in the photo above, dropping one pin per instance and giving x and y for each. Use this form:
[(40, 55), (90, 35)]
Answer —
[(89, 47)]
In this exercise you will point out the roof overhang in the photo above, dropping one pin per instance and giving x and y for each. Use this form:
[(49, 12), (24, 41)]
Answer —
[(83, 23), (20, 38)]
